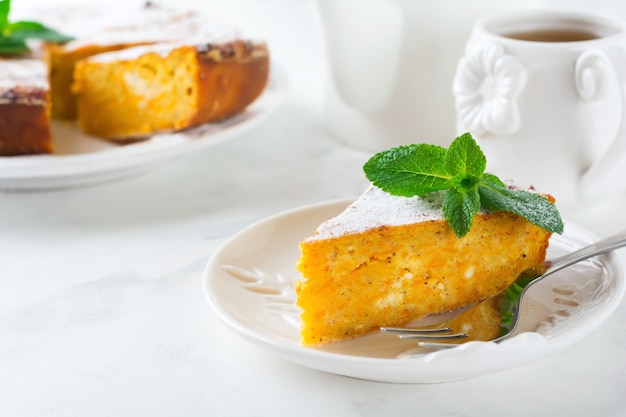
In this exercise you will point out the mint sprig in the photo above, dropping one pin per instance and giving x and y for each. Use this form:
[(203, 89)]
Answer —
[(420, 169), (13, 35)]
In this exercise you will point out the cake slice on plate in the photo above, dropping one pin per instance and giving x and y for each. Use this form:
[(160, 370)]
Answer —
[(98, 30), (388, 260), (169, 86)]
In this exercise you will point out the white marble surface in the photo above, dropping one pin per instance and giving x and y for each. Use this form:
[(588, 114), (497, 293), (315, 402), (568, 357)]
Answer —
[(102, 304)]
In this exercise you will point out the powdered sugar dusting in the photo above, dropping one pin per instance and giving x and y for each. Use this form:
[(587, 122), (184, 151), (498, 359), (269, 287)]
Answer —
[(90, 18), (162, 49), (377, 208), (23, 73), (173, 28)]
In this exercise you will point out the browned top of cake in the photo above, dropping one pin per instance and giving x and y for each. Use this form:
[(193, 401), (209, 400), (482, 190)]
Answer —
[(23, 81), (232, 50)]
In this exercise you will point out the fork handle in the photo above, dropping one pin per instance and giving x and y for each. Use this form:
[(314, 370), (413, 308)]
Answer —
[(609, 244)]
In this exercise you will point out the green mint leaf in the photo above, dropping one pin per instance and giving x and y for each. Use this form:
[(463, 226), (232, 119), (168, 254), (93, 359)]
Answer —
[(533, 207), (416, 170), (409, 170), (509, 303), (464, 182), (5, 8), (13, 35), (493, 179), (464, 156), (35, 30), (460, 208), (466, 162), (11, 46)]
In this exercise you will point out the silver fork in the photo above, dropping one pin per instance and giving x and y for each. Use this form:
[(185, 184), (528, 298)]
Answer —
[(436, 337)]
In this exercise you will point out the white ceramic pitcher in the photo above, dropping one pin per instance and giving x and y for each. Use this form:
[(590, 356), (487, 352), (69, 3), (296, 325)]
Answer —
[(391, 65)]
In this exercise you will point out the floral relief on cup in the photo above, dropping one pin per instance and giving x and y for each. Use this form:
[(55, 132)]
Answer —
[(486, 86)]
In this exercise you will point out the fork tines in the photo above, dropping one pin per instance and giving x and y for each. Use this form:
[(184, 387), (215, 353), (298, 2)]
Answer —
[(438, 334)]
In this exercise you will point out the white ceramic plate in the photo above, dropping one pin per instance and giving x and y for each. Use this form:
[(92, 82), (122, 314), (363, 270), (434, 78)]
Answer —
[(81, 159), (249, 282)]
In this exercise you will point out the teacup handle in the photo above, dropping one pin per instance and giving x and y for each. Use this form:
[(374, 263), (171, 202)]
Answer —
[(363, 39), (607, 175)]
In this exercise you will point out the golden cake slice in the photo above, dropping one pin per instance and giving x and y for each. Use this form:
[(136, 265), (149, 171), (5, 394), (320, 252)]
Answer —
[(169, 86), (388, 261), (100, 30), (24, 107)]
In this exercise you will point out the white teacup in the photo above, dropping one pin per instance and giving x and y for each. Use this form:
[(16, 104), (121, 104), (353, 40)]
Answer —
[(543, 94), (391, 63)]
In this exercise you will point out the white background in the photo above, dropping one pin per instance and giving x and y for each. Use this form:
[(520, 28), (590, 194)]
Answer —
[(102, 304)]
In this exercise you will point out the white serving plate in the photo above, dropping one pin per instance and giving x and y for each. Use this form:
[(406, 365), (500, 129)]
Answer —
[(81, 159), (250, 285)]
